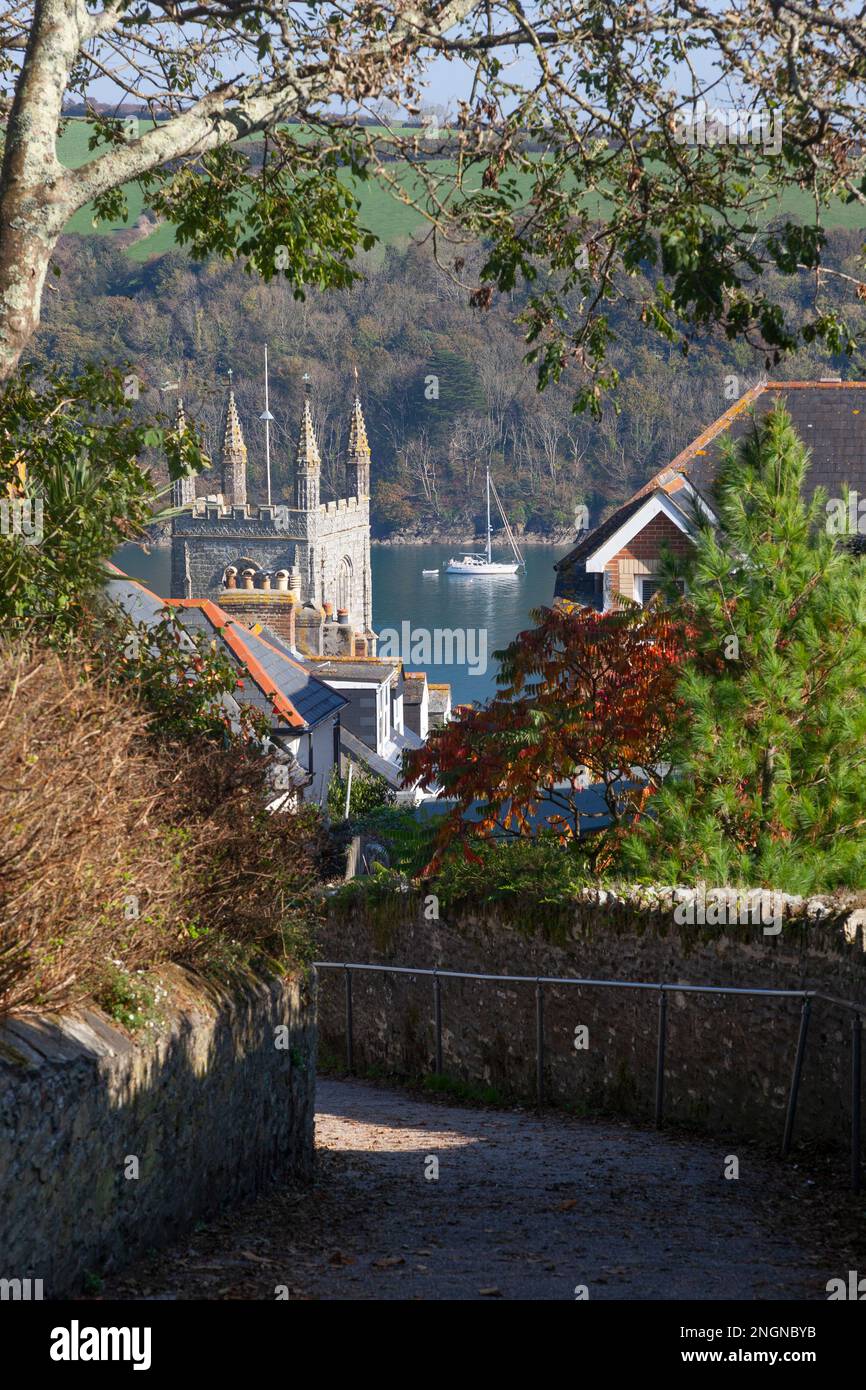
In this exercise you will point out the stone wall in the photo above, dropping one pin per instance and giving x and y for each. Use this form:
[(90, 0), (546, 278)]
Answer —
[(729, 1058), (209, 1106)]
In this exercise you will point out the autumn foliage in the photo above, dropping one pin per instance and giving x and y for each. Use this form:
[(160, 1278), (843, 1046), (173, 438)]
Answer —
[(587, 698), (126, 845)]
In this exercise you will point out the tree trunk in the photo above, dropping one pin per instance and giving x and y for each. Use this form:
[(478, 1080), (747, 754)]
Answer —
[(35, 200), (25, 252)]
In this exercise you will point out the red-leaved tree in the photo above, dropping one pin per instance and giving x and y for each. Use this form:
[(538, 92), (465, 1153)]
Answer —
[(587, 698)]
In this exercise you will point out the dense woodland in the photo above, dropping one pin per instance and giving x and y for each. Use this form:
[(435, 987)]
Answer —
[(181, 325)]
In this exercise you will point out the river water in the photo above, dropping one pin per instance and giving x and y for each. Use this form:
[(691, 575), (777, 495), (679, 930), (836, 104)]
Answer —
[(482, 614)]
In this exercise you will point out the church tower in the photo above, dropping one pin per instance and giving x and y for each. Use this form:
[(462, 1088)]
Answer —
[(182, 489), (308, 464), (234, 460), (300, 553), (358, 457)]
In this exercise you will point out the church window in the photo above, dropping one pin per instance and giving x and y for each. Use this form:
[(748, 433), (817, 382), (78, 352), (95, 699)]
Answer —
[(344, 584)]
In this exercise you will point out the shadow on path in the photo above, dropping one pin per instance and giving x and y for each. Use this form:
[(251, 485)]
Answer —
[(415, 1199)]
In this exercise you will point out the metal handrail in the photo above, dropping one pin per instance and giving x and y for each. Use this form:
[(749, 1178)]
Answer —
[(662, 988)]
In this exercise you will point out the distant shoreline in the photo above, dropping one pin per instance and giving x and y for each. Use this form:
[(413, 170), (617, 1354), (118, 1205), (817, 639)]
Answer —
[(443, 538), (162, 537)]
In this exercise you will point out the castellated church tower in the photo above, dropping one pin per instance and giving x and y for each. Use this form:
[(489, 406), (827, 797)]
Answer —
[(301, 566)]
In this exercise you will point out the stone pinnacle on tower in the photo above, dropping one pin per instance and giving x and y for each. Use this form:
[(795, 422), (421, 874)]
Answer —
[(359, 450), (234, 484), (182, 489), (307, 459)]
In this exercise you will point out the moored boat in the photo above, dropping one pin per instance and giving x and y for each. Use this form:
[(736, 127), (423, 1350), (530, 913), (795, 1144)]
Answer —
[(474, 564)]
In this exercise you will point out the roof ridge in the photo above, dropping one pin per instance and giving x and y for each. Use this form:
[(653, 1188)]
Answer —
[(708, 435), (813, 385)]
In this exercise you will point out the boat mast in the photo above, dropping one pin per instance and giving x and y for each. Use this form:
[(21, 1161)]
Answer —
[(488, 513), (267, 417)]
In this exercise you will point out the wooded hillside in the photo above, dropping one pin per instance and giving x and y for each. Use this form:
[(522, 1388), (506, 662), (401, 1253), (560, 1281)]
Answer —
[(407, 327)]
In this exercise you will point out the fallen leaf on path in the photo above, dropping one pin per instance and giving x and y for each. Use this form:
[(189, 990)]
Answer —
[(389, 1261), (491, 1292)]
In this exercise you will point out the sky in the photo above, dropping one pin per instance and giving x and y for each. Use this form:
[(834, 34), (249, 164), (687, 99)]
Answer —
[(449, 81)]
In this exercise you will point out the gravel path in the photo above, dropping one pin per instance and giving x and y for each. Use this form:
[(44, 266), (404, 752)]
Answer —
[(525, 1206), (533, 1206)]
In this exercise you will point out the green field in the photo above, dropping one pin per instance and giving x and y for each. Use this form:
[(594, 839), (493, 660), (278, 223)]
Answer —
[(387, 218)]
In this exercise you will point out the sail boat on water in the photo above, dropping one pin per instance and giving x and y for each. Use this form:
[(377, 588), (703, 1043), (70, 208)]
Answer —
[(485, 564)]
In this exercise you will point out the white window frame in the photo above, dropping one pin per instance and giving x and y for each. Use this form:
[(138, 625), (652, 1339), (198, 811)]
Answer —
[(641, 579)]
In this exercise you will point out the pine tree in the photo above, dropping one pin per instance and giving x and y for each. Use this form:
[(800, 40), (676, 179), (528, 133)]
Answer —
[(450, 388), (769, 780)]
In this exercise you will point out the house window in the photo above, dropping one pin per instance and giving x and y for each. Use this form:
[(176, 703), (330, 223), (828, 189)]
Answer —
[(607, 590), (650, 587), (382, 700)]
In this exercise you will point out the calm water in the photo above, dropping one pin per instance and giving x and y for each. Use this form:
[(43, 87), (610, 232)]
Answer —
[(494, 610)]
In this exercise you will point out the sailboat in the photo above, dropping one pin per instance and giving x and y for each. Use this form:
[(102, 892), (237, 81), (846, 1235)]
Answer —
[(485, 564)]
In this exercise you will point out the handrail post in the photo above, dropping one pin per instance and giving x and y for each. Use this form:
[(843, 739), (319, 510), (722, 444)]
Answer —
[(660, 1055), (437, 1017), (796, 1075), (350, 1047), (539, 1042), (856, 1035)]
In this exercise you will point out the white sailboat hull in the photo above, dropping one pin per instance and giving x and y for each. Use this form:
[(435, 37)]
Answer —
[(471, 564), (475, 564)]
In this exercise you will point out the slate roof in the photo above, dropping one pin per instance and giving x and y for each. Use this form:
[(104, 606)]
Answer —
[(301, 697), (311, 697), (414, 684), (440, 697), (141, 605), (829, 416), (593, 539), (274, 679), (355, 748), (372, 669)]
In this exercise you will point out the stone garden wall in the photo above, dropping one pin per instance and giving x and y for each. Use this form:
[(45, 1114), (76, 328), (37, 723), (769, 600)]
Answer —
[(110, 1146), (729, 1058)]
